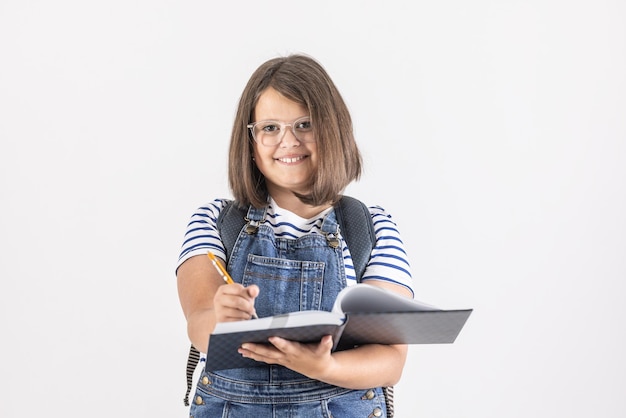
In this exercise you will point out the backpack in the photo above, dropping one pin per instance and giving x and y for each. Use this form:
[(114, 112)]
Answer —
[(357, 228)]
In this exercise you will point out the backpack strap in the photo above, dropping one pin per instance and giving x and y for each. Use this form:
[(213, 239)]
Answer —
[(192, 362), (229, 223), (357, 228)]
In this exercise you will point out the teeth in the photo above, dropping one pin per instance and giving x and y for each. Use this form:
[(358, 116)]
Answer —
[(290, 160)]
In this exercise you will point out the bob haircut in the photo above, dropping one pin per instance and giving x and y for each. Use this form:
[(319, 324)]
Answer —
[(303, 80)]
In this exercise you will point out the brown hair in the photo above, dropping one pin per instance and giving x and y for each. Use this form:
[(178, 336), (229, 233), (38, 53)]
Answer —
[(303, 80)]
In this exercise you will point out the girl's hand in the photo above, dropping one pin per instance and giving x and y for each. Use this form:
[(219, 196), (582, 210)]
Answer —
[(233, 302), (313, 360)]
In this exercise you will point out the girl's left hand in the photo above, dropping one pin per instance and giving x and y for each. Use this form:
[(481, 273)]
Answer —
[(312, 359)]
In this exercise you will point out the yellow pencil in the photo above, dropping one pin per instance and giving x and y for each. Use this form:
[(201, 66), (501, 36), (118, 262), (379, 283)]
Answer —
[(221, 269), (224, 274)]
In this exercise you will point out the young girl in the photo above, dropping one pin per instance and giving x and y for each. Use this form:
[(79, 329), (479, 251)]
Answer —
[(292, 154)]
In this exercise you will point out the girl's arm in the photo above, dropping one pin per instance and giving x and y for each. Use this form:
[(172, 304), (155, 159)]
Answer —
[(206, 299)]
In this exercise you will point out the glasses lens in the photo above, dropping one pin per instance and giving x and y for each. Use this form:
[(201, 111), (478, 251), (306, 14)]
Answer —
[(271, 132), (267, 132), (303, 129)]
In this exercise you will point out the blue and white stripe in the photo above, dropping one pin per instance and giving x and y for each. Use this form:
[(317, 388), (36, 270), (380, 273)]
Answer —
[(389, 261)]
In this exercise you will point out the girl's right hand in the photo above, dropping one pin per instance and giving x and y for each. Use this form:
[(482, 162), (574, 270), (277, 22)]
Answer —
[(234, 302)]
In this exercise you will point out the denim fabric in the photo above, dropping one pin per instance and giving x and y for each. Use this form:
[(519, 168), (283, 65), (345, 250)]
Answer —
[(293, 275), (220, 397)]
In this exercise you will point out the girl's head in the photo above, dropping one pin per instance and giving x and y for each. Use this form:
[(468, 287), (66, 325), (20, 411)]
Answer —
[(335, 158)]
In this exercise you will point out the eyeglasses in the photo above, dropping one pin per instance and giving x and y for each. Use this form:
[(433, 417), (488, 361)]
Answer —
[(271, 132)]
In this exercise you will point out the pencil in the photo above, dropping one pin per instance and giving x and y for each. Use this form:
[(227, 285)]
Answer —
[(224, 274), (220, 269)]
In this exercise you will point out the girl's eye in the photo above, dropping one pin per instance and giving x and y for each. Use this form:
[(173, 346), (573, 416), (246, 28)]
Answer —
[(270, 128), (303, 125)]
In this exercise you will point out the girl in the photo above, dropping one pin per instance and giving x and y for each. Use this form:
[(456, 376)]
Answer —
[(292, 154)]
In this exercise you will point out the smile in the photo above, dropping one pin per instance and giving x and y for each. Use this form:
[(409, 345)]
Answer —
[(291, 160)]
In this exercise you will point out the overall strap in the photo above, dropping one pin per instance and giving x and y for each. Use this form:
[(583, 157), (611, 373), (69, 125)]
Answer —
[(353, 217)]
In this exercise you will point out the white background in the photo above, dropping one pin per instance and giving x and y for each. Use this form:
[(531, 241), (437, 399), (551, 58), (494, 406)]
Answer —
[(493, 131)]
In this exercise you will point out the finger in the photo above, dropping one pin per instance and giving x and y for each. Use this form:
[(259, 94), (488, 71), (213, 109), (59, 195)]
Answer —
[(230, 307), (238, 297), (232, 289), (327, 342), (227, 314), (253, 291), (260, 352), (280, 343)]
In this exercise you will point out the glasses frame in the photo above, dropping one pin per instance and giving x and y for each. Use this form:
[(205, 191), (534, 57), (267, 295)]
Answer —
[(283, 130)]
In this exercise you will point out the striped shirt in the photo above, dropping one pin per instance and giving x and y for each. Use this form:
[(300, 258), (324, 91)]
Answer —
[(388, 261)]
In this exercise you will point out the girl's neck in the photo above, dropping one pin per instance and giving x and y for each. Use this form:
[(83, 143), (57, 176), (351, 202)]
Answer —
[(291, 203)]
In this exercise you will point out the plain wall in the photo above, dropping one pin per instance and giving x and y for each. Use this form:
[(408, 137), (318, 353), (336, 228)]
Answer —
[(493, 131)]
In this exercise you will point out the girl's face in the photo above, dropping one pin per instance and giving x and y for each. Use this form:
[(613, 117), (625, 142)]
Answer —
[(289, 165)]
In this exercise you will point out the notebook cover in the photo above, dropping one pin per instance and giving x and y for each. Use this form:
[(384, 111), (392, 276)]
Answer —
[(422, 327), (223, 347)]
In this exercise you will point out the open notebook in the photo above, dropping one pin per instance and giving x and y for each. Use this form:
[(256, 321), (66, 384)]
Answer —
[(362, 314)]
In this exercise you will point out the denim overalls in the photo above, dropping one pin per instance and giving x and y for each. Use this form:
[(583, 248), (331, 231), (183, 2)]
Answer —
[(293, 275)]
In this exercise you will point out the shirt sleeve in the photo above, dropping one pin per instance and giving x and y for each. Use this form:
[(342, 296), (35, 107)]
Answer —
[(389, 261), (201, 234)]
